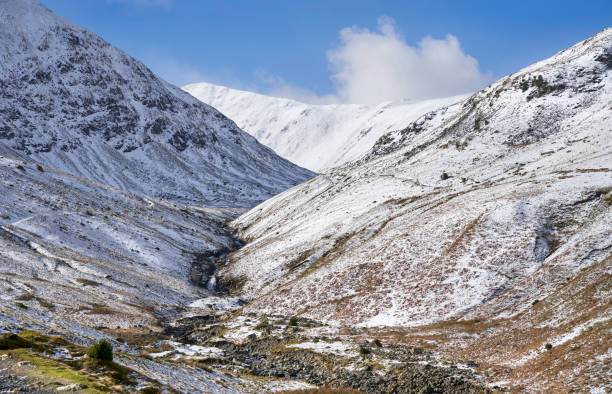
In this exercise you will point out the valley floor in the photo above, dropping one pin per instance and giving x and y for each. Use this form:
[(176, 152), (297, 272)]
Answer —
[(219, 350)]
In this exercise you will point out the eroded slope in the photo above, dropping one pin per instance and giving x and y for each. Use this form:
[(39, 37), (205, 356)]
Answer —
[(75, 255), (471, 213)]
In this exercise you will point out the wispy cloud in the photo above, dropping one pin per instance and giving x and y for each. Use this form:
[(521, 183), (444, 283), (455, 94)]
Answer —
[(171, 69), (372, 67), (162, 3), (276, 86)]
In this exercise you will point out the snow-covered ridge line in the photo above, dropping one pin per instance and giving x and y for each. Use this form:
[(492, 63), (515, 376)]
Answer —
[(596, 49), (317, 137)]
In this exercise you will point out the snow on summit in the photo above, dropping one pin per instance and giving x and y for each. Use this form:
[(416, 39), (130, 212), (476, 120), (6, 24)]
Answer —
[(317, 137), (459, 245), (70, 100)]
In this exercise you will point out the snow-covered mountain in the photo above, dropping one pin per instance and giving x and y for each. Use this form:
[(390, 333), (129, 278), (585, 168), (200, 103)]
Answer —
[(73, 102), (86, 261), (73, 244), (316, 137), (479, 231), (489, 222)]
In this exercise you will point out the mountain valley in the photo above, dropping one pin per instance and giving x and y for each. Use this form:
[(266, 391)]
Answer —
[(460, 244)]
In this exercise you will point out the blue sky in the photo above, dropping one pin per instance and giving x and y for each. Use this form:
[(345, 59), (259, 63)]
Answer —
[(295, 48)]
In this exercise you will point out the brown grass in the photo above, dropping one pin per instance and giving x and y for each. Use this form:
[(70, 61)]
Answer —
[(588, 170), (87, 282), (45, 303), (96, 309), (323, 390), (25, 297), (497, 345)]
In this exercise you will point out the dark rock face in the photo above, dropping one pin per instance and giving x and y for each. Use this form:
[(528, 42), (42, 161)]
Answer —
[(72, 101), (203, 268), (96, 87), (186, 325), (605, 58)]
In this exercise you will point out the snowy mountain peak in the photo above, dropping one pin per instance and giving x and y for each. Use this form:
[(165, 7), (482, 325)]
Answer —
[(546, 93), (70, 100), (31, 12), (317, 137)]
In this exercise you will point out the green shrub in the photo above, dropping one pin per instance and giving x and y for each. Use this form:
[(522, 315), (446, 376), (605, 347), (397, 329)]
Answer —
[(548, 346), (101, 351), (39, 168), (377, 342), (315, 340), (364, 351), (535, 302), (293, 322), (539, 82), (13, 341), (263, 325)]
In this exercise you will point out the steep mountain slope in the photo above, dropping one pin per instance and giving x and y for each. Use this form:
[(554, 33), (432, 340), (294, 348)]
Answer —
[(86, 261), (73, 102), (90, 255), (489, 220), (317, 137)]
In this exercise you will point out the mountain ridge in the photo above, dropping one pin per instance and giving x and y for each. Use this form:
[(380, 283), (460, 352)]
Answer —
[(72, 101), (481, 230), (314, 136), (497, 122)]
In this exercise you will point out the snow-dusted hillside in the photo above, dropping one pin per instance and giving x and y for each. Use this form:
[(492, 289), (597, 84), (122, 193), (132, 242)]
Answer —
[(317, 137), (73, 102), (91, 255), (512, 164), (474, 211), (87, 261)]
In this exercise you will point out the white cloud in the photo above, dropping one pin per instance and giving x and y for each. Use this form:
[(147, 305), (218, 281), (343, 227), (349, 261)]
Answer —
[(372, 67), (368, 67)]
